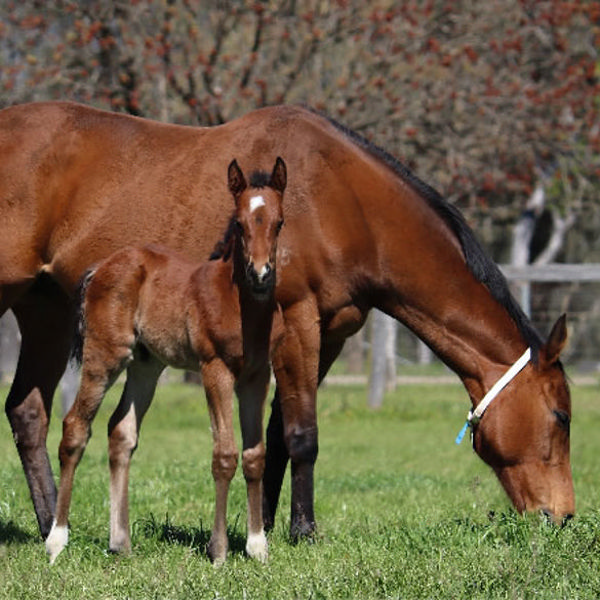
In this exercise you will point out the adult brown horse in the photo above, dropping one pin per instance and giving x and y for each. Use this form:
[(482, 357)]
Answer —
[(144, 308), (362, 231)]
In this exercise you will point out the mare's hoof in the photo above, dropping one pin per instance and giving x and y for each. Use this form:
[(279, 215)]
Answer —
[(302, 529), (217, 552)]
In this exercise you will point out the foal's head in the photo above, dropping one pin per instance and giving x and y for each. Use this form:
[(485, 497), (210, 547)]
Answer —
[(258, 218)]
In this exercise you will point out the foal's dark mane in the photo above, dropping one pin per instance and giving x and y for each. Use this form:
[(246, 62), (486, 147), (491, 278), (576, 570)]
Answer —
[(479, 263), (222, 249)]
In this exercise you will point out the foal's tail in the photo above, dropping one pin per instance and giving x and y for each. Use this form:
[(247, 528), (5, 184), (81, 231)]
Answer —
[(79, 329)]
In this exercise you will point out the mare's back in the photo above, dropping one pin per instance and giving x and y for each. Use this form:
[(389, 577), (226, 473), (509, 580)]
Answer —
[(102, 181)]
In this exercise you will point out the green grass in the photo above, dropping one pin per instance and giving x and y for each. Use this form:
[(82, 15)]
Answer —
[(402, 512)]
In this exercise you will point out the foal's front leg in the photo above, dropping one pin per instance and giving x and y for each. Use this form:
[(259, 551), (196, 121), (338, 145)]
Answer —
[(218, 386), (252, 393)]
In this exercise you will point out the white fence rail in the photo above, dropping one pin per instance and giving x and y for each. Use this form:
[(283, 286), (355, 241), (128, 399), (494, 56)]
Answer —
[(553, 273)]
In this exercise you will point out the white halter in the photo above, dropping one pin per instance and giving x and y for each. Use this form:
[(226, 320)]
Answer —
[(476, 414)]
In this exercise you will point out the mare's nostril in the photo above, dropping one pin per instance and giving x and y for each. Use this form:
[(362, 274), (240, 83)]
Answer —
[(552, 518), (568, 517)]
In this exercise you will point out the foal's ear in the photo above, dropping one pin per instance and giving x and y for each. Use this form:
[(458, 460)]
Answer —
[(279, 176), (550, 351), (235, 179)]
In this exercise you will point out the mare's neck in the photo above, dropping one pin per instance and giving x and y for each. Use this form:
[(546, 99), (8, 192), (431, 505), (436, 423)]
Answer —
[(470, 331), (421, 277)]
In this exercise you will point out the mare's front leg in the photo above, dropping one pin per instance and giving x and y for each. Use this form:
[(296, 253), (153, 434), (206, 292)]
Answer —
[(218, 386), (45, 323), (252, 393), (277, 455), (123, 434), (296, 367)]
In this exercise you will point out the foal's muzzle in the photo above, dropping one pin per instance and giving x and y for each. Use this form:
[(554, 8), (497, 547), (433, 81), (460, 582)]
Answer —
[(261, 281)]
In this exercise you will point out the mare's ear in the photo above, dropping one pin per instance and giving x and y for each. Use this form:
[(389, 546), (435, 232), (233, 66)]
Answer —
[(550, 351), (279, 176), (235, 179)]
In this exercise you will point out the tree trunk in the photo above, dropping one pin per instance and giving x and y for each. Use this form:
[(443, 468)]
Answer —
[(10, 342), (355, 353), (383, 367), (69, 384)]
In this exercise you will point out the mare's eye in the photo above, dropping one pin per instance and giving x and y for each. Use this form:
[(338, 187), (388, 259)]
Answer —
[(279, 225), (239, 228), (564, 421)]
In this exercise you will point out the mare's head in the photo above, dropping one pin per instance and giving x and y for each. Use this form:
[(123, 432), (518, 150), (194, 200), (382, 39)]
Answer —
[(524, 434), (257, 220)]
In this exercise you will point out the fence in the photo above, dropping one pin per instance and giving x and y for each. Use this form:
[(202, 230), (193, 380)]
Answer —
[(545, 292)]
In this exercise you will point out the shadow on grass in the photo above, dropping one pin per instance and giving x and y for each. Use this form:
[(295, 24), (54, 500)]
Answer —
[(13, 534), (196, 538)]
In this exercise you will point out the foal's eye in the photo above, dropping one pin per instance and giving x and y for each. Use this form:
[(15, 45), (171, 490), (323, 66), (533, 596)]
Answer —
[(564, 421)]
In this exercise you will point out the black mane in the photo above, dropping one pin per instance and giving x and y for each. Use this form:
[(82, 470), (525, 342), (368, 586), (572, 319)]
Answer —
[(223, 247), (259, 179), (479, 263)]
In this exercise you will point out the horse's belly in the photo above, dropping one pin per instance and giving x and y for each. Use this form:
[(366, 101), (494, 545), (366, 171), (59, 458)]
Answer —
[(344, 322)]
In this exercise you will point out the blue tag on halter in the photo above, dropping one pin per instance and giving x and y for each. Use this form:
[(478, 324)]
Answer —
[(461, 433)]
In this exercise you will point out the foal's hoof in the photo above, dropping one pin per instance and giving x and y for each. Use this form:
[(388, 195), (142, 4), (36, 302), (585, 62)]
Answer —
[(56, 541), (257, 548)]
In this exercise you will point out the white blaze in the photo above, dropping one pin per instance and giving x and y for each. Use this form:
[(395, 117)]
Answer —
[(256, 202)]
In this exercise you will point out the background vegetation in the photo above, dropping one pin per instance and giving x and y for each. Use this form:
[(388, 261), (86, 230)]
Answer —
[(487, 101), (402, 513), (484, 99)]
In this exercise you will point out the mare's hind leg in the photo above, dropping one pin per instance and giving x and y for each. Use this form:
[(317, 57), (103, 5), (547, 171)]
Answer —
[(252, 396), (123, 434), (45, 321), (218, 385)]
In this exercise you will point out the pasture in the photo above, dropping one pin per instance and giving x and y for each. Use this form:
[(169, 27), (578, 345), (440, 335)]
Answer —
[(402, 512)]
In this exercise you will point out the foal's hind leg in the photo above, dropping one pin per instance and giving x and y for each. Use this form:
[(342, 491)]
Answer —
[(123, 433), (218, 385), (45, 323), (252, 394), (96, 377)]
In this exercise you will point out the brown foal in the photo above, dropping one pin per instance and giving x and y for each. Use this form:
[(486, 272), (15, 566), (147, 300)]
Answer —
[(146, 308)]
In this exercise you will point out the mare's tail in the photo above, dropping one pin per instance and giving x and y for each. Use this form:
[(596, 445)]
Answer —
[(79, 329)]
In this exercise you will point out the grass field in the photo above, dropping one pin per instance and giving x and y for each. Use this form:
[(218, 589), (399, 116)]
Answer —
[(402, 512)]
